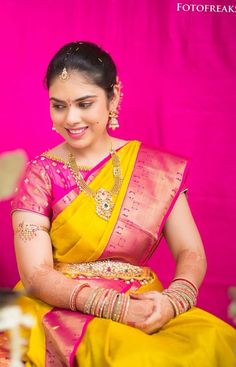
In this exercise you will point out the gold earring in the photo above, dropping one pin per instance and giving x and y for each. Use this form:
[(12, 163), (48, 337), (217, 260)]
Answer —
[(113, 121)]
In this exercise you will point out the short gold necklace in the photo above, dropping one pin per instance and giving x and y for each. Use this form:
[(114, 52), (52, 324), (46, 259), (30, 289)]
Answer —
[(103, 198)]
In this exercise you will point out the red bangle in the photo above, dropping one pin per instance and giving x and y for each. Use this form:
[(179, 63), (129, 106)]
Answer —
[(74, 295), (187, 281)]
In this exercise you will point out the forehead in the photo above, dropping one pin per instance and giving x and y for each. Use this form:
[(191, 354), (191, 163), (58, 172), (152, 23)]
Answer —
[(75, 86)]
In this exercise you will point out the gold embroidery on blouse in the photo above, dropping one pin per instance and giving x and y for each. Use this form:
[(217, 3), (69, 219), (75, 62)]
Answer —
[(27, 232)]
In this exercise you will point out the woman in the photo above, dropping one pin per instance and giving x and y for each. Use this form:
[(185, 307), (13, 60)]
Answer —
[(87, 216)]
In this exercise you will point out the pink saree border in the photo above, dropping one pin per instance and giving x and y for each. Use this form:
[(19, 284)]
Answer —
[(150, 170), (64, 329), (134, 285)]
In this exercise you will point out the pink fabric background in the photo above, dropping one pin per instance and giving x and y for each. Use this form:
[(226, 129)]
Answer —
[(178, 71)]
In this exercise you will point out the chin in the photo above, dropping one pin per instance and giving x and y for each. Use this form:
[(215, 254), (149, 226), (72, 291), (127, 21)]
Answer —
[(79, 143)]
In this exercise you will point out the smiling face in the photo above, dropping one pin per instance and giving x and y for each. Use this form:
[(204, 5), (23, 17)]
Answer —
[(79, 110)]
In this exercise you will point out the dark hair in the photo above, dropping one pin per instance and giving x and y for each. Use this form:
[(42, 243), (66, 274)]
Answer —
[(88, 58)]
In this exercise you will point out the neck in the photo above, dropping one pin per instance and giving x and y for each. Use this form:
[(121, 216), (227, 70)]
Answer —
[(93, 153)]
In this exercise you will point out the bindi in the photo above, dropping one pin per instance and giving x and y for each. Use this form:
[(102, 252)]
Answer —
[(69, 102)]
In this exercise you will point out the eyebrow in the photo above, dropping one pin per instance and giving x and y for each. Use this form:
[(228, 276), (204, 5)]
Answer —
[(75, 100)]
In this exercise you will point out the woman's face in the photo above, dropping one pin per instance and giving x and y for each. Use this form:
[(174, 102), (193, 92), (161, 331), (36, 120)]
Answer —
[(79, 109)]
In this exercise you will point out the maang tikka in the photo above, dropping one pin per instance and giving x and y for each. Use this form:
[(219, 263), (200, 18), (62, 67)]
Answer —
[(64, 74)]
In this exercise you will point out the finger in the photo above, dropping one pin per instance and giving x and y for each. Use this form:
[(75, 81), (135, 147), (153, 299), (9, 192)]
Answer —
[(136, 295), (148, 328), (152, 319), (152, 330), (140, 295), (131, 323), (139, 325)]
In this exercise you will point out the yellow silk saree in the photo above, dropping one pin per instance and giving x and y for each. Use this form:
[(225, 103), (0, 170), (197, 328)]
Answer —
[(152, 181)]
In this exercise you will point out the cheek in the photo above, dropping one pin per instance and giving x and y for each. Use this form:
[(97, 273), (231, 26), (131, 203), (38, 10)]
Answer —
[(56, 117), (99, 121), (98, 117), (103, 114)]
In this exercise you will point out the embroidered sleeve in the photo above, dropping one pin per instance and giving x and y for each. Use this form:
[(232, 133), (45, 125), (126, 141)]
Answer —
[(34, 191)]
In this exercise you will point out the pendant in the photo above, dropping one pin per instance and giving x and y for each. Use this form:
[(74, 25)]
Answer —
[(104, 204)]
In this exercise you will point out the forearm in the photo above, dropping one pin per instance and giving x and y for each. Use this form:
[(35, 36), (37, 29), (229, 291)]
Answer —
[(190, 270), (185, 243), (191, 265), (54, 288)]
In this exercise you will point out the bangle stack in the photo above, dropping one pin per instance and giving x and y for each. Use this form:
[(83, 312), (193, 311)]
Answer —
[(107, 303), (74, 295), (182, 295)]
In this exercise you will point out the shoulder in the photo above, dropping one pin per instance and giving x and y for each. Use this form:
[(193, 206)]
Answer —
[(58, 151), (44, 158), (164, 160), (118, 143), (161, 153)]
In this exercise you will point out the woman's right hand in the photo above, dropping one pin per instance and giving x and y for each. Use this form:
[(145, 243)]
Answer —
[(139, 310)]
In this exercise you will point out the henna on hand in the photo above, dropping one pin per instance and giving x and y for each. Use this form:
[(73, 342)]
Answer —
[(50, 286)]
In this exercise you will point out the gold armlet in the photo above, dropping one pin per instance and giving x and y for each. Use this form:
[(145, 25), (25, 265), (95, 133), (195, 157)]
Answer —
[(27, 232)]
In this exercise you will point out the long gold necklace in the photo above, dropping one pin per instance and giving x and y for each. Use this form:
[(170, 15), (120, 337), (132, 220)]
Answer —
[(103, 198)]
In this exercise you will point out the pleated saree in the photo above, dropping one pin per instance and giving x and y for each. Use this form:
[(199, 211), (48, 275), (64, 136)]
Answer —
[(152, 181)]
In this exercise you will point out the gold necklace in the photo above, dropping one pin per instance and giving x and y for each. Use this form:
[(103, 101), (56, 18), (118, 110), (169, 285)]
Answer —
[(61, 160), (103, 198)]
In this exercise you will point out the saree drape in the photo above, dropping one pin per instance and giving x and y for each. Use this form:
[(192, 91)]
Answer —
[(152, 182)]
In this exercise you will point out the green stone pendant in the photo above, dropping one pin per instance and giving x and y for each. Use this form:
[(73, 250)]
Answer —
[(104, 204)]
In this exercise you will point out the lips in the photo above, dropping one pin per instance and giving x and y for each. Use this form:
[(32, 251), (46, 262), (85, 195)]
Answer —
[(77, 133)]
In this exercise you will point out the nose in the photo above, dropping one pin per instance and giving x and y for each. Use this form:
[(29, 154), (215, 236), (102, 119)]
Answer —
[(73, 116)]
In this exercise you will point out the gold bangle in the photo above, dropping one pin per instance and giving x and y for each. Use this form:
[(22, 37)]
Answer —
[(89, 302)]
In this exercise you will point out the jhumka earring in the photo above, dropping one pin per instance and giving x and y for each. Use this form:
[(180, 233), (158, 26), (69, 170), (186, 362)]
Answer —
[(64, 74), (113, 121)]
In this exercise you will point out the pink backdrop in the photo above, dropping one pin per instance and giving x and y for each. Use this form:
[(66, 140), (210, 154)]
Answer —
[(178, 70)]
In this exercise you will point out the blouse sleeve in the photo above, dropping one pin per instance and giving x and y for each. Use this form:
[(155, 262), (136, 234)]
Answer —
[(34, 190)]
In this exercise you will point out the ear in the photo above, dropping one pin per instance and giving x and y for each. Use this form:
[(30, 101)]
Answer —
[(114, 102)]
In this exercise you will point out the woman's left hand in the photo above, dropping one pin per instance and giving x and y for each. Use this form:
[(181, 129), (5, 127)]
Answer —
[(162, 312)]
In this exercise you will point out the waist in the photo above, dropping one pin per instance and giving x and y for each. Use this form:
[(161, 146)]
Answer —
[(109, 269)]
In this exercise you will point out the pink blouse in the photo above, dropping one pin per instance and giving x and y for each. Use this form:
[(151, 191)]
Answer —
[(44, 182), (48, 185)]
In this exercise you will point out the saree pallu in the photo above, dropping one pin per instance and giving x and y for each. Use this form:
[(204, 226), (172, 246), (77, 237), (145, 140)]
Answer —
[(152, 182)]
